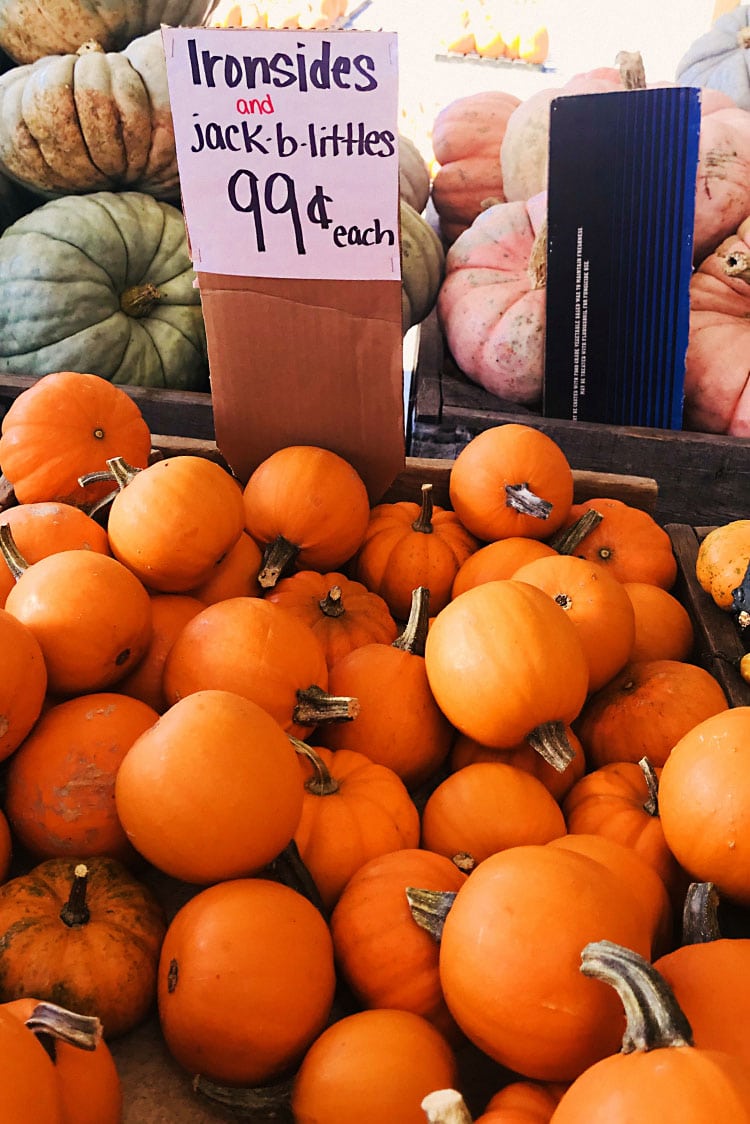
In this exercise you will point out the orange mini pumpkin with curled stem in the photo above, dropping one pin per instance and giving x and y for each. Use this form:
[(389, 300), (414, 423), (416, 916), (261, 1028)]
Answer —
[(627, 541), (385, 958), (408, 545), (307, 508), (344, 614), (511, 479)]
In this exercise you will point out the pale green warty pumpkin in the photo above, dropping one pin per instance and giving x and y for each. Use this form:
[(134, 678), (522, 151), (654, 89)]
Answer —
[(95, 120), (103, 283)]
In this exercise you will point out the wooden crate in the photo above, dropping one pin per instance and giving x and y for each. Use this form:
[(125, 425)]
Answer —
[(719, 642), (703, 478)]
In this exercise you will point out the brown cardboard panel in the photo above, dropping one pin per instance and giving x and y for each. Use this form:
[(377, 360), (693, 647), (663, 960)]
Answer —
[(296, 361)]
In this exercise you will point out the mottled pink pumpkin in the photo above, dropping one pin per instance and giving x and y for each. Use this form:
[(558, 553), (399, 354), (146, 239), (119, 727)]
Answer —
[(491, 305), (717, 387)]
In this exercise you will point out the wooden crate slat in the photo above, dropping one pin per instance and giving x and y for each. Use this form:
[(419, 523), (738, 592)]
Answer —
[(718, 643)]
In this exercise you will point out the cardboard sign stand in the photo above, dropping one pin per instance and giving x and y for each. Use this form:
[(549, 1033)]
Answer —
[(295, 361), (288, 155)]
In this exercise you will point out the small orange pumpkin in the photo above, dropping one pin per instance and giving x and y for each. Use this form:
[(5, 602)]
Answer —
[(408, 545), (486, 807), (228, 785), (32, 1091), (343, 613), (67, 424), (597, 605), (509, 958), (23, 682), (465, 751), (658, 1065), (170, 612), (663, 628), (627, 541), (511, 479), (246, 981), (173, 522), (352, 811), (704, 798), (86, 936), (398, 724), (645, 710), (505, 664), (498, 561), (88, 1080), (43, 528), (283, 662), (90, 614), (307, 508), (620, 800), (236, 575), (372, 1066), (385, 958), (61, 781)]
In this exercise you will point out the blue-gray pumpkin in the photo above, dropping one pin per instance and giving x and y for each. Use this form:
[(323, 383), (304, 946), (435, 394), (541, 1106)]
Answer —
[(102, 283)]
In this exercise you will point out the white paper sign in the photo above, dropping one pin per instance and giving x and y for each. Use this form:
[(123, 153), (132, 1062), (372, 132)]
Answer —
[(287, 148)]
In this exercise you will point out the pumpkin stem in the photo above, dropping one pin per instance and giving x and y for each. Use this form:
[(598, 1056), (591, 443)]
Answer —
[(290, 869), (700, 914), (551, 742), (632, 72), (75, 912), (90, 47), (429, 908), (570, 538), (737, 263), (741, 600), (651, 806), (537, 267), (321, 783), (138, 300), (314, 705), (414, 635), (16, 562), (423, 522), (262, 1102), (654, 1019), (464, 861), (117, 470), (332, 604), (525, 502), (52, 1022), (277, 559), (446, 1106)]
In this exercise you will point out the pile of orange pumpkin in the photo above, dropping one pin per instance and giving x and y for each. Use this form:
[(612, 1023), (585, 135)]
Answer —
[(435, 783)]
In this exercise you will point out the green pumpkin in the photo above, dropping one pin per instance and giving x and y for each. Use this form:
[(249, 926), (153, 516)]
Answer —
[(102, 283), (95, 120), (422, 266), (720, 59), (30, 29)]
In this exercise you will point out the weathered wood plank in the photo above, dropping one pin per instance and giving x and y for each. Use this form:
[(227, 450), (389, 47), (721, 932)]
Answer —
[(718, 643)]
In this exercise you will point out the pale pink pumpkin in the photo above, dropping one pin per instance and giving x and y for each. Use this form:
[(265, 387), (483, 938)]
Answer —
[(491, 305), (717, 369)]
